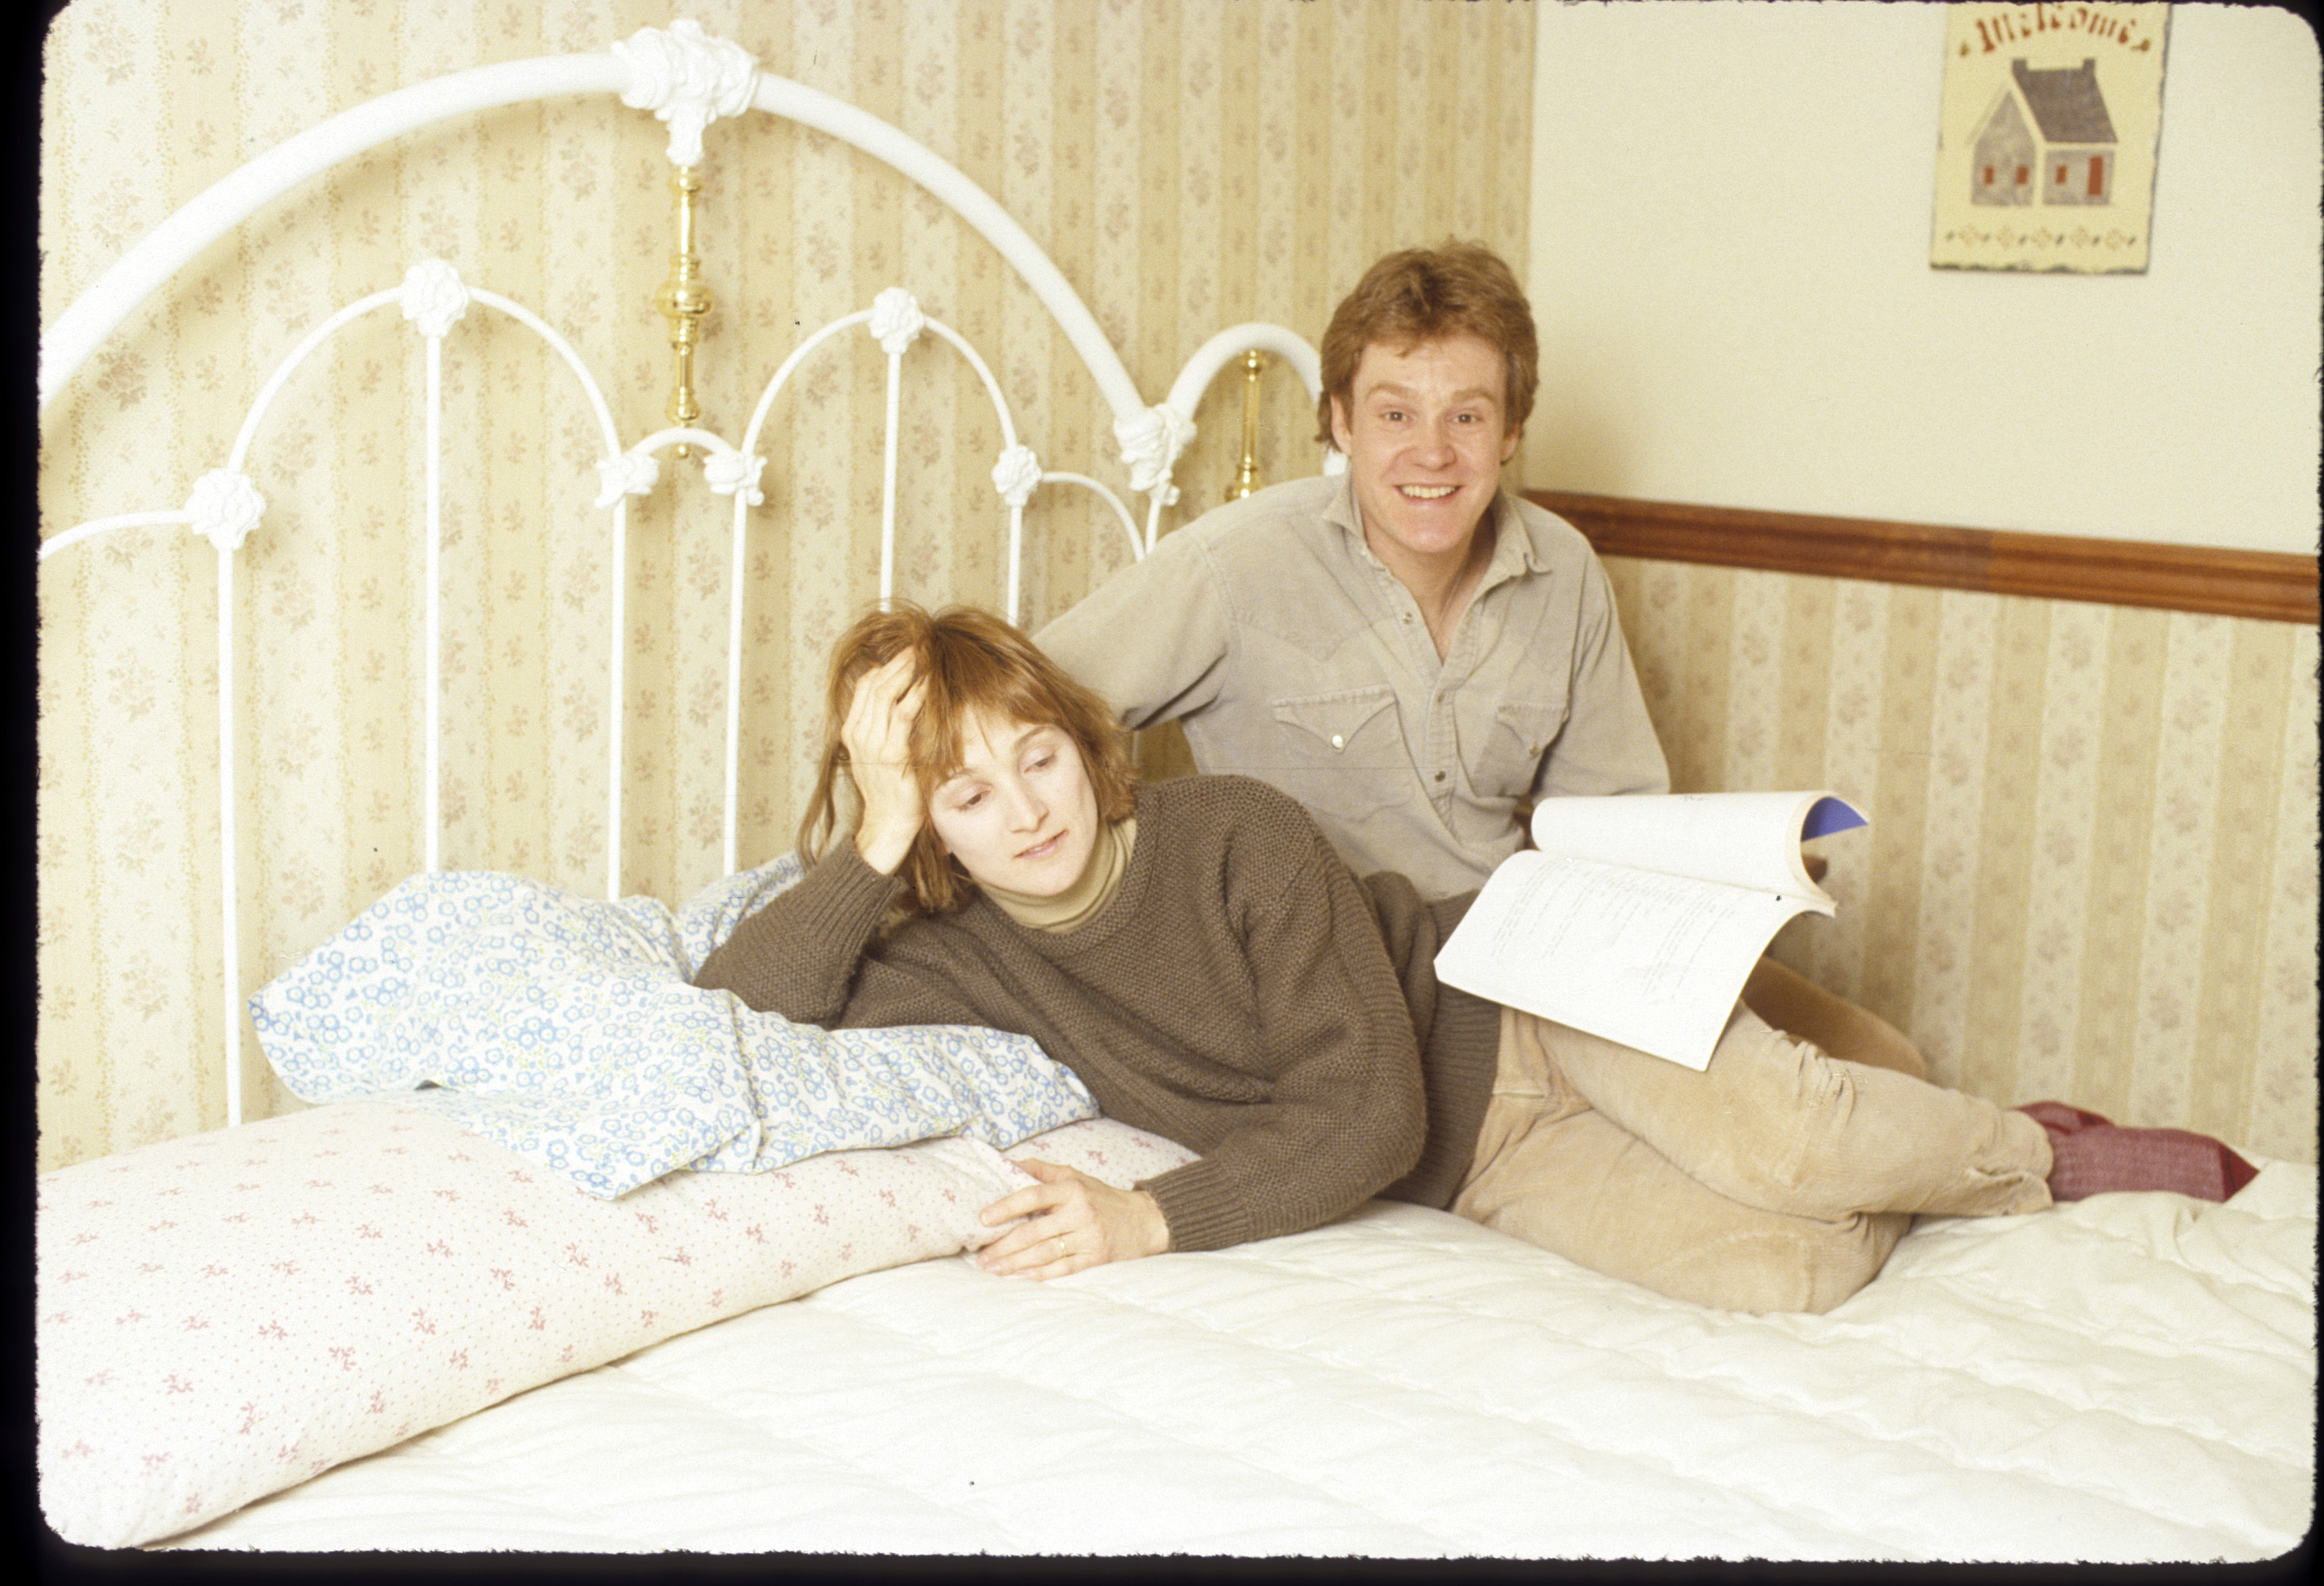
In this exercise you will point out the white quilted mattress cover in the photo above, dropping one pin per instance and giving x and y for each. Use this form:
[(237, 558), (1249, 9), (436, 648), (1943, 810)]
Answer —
[(2130, 1377)]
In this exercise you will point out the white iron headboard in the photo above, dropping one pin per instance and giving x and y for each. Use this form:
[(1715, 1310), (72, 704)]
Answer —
[(689, 79)]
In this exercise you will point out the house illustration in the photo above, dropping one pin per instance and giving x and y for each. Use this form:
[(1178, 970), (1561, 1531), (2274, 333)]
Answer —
[(2069, 143)]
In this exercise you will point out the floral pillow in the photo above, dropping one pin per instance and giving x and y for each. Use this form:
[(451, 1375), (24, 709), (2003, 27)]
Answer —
[(1106, 1149), (225, 1314)]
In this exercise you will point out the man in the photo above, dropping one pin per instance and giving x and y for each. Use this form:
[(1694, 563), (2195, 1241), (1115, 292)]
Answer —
[(1414, 654), (1411, 651), (1407, 650)]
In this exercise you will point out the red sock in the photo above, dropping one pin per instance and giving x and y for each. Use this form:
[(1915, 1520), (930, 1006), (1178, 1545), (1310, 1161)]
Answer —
[(2091, 1157)]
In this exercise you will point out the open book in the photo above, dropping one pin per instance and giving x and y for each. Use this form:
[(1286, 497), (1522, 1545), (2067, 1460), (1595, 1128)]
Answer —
[(1640, 918)]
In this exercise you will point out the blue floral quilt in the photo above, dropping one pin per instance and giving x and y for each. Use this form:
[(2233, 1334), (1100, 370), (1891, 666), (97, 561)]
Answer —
[(563, 1028)]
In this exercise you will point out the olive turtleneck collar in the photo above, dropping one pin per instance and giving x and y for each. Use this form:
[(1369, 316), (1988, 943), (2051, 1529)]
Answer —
[(1083, 901)]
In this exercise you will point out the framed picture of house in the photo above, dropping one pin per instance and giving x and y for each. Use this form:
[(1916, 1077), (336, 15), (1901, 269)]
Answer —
[(2049, 122)]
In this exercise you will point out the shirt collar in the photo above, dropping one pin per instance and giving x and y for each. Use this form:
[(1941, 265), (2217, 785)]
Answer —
[(1514, 551)]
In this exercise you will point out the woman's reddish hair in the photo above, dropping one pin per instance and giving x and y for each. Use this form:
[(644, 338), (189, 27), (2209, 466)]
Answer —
[(976, 665)]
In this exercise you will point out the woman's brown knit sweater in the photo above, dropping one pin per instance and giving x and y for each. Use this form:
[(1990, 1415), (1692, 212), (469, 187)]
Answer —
[(1241, 993)]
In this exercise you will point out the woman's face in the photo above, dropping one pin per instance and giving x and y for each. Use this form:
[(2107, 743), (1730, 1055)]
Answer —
[(1020, 814)]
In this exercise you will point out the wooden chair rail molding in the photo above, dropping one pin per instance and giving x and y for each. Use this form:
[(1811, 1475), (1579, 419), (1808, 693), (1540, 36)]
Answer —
[(2275, 586)]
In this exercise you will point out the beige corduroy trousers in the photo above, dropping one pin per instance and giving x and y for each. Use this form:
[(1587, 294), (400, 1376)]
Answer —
[(1778, 1179)]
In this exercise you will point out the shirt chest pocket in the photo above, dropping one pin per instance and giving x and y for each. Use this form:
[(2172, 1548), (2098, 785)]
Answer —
[(1520, 734), (1341, 753)]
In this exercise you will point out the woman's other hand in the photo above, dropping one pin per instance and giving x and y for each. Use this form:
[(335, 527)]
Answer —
[(877, 736), (1071, 1222)]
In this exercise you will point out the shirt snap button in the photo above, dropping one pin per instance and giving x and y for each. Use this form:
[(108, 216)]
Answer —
[(1338, 741)]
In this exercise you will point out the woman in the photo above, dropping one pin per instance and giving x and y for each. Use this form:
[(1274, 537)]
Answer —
[(1198, 954)]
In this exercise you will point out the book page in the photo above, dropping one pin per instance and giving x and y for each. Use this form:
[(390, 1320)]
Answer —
[(1741, 839), (1652, 961)]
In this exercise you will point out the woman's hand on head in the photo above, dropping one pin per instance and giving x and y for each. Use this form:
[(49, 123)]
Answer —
[(1072, 1222), (877, 736)]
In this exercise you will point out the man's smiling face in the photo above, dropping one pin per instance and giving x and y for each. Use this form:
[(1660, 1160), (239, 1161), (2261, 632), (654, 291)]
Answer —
[(1426, 434)]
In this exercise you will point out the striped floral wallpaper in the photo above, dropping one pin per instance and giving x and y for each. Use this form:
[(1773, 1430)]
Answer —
[(2092, 868), (2091, 872), (1187, 164)]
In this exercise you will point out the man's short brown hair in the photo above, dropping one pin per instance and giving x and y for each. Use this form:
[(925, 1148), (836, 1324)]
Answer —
[(1425, 294)]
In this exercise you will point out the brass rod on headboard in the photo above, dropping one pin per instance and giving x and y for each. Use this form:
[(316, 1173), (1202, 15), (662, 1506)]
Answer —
[(1246, 479), (684, 300)]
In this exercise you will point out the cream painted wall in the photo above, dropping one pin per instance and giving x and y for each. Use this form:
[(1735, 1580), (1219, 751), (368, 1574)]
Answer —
[(1730, 264)]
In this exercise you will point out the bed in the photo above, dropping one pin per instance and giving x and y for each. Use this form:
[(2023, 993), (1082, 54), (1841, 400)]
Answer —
[(370, 1324)]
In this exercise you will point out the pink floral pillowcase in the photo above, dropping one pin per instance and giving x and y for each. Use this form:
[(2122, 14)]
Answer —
[(225, 1314)]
